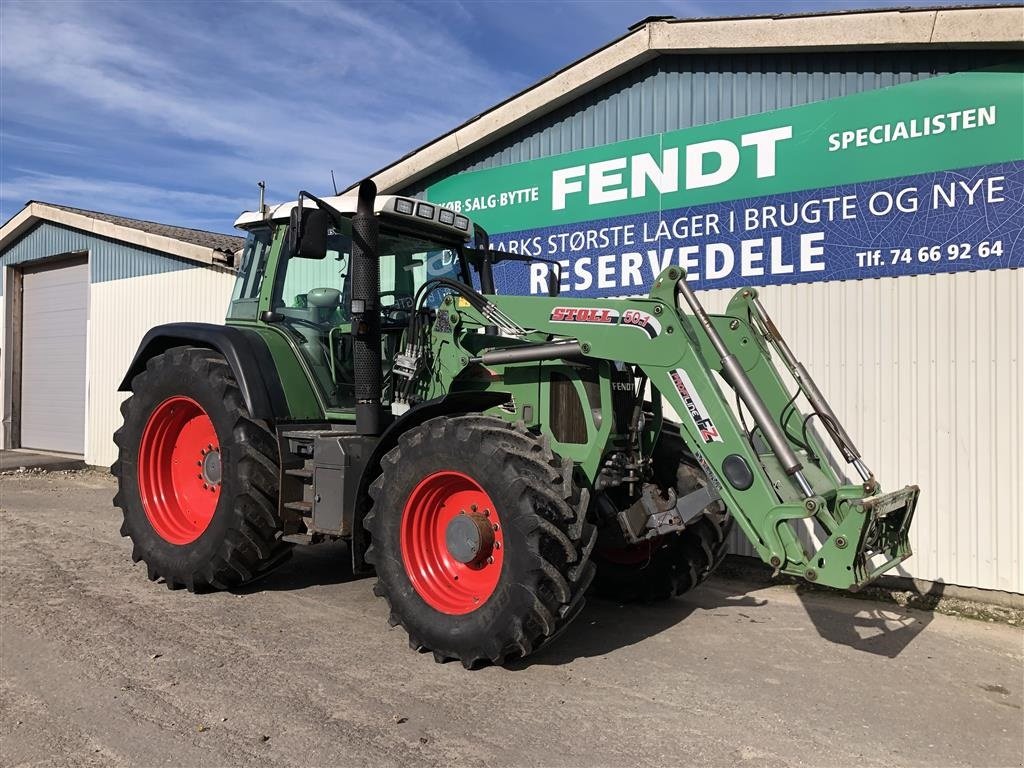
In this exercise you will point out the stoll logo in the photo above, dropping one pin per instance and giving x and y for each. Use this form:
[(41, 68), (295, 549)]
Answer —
[(694, 406), (632, 318), (584, 315)]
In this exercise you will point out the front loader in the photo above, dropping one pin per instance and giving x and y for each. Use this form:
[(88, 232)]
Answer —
[(490, 457)]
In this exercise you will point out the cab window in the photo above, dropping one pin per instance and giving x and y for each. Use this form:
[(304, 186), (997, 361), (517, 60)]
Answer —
[(246, 293)]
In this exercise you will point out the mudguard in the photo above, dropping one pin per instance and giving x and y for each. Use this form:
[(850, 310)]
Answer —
[(246, 353)]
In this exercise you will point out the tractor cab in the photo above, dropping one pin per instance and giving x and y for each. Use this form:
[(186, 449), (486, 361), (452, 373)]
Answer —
[(306, 292)]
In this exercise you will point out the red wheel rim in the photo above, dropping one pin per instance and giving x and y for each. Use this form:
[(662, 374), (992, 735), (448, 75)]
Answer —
[(454, 565), (179, 470)]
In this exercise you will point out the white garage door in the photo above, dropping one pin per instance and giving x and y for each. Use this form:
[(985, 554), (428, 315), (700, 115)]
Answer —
[(54, 313)]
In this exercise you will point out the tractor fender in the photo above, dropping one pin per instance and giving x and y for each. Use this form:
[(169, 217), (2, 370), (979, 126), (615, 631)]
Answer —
[(453, 403), (245, 351)]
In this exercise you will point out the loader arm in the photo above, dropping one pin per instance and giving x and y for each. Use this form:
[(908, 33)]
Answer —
[(776, 477)]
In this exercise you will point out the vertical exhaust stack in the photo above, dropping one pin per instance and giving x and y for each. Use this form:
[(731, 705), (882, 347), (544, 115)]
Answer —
[(366, 313)]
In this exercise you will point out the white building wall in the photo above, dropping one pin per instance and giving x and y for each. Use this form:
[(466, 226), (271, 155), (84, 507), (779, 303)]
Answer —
[(926, 374), (121, 311)]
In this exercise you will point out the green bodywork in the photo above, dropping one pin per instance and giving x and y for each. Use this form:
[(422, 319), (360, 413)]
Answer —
[(859, 532)]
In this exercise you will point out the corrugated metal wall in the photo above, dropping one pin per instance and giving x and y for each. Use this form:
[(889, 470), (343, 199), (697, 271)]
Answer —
[(674, 92), (926, 371), (120, 313), (108, 259)]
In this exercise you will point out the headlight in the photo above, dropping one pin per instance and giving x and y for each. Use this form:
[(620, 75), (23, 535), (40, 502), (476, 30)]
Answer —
[(404, 206), (425, 211), (462, 222), (446, 217)]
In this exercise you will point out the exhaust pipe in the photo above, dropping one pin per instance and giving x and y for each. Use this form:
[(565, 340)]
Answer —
[(365, 274)]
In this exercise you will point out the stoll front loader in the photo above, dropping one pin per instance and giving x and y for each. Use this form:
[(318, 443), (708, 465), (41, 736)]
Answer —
[(489, 456)]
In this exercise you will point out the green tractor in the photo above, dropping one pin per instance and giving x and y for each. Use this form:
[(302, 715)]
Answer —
[(490, 457)]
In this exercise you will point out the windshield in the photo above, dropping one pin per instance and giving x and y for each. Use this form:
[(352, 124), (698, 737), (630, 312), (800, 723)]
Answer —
[(320, 289), (312, 298)]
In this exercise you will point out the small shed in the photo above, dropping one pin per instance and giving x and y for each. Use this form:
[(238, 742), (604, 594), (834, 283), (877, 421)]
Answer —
[(78, 290)]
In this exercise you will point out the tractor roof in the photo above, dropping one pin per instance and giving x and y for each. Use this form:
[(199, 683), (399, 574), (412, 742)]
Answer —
[(393, 207)]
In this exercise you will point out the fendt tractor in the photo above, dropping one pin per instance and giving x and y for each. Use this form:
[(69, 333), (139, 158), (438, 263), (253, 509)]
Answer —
[(491, 457)]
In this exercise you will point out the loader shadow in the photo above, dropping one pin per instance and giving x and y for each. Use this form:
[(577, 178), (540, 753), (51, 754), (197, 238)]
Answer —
[(318, 566), (869, 626), (604, 626)]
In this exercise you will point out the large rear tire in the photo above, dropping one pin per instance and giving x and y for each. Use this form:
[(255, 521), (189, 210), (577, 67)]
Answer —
[(197, 475), (479, 539), (674, 564)]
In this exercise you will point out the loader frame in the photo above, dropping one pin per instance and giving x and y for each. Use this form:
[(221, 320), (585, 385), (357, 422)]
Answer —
[(785, 490)]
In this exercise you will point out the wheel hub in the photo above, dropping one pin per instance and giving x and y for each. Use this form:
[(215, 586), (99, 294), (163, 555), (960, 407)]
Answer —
[(470, 538), (211, 467)]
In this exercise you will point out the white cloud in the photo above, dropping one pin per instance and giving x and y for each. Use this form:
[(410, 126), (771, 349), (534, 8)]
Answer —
[(216, 97)]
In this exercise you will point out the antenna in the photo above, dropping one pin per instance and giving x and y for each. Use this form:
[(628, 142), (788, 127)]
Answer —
[(334, 183), (263, 188)]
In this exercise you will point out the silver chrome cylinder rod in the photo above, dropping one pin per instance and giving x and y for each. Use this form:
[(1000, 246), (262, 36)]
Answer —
[(738, 378), (814, 395)]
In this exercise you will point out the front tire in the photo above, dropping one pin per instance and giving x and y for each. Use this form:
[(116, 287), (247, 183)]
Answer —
[(197, 475), (479, 539), (671, 565)]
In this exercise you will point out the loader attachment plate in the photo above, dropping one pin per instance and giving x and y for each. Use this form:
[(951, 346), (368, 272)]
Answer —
[(871, 539)]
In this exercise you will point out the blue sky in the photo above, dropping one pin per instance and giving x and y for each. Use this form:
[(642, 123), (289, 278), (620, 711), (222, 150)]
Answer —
[(171, 111)]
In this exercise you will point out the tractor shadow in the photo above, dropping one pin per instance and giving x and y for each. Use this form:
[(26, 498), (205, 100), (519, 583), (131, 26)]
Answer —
[(317, 566), (604, 626), (865, 625)]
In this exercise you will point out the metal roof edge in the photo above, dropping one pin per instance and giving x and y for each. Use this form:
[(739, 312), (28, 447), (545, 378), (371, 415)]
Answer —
[(36, 212), (971, 27)]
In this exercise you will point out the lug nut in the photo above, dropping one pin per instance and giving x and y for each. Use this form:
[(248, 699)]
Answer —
[(496, 526)]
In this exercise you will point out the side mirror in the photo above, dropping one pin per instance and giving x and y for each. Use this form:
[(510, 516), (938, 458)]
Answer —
[(555, 280), (307, 233)]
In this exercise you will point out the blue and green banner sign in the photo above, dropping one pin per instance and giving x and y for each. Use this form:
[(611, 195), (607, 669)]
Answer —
[(919, 178)]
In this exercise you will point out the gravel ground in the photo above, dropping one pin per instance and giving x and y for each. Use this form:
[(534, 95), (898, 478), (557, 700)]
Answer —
[(102, 667)]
